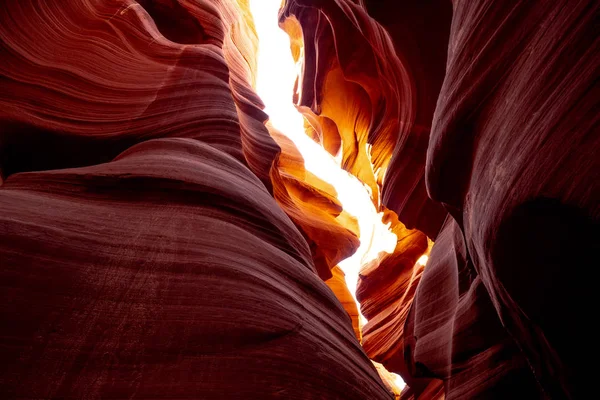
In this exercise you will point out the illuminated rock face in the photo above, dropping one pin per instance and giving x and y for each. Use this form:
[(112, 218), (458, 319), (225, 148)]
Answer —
[(142, 251), (154, 242), (487, 111), (108, 74), (364, 92)]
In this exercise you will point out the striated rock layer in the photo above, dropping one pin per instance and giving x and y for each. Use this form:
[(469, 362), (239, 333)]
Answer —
[(147, 277), (516, 129), (331, 233), (157, 239), (487, 111), (142, 252), (360, 97), (356, 87)]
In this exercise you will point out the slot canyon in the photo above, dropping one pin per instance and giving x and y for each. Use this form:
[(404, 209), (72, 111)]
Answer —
[(299, 199)]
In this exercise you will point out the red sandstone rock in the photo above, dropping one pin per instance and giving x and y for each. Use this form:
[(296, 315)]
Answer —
[(386, 289), (516, 131), (374, 94), (144, 256), (106, 75), (169, 272), (311, 203), (500, 310)]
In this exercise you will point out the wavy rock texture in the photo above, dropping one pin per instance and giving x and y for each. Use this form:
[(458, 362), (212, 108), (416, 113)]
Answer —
[(453, 334), (107, 75), (312, 204), (510, 153), (154, 242), (521, 99), (332, 233), (142, 253), (337, 283), (386, 289), (360, 98), (360, 88)]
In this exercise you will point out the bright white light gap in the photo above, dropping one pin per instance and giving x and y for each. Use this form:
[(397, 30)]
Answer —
[(276, 75)]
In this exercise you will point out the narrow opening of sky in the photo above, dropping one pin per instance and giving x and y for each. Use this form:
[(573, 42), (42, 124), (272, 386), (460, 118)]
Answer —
[(276, 75)]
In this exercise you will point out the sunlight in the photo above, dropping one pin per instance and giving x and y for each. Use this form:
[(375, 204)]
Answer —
[(423, 260), (277, 73)]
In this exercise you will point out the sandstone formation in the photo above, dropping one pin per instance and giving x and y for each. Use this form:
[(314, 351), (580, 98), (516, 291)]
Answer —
[(311, 203), (361, 90), (492, 110), (159, 238), (524, 107), (142, 253), (331, 233)]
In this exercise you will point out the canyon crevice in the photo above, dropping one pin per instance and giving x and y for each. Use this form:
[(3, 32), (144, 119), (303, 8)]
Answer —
[(160, 238)]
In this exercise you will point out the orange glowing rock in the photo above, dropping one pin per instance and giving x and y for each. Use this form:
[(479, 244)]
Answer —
[(142, 252), (386, 289), (312, 204), (360, 95), (337, 283), (479, 126)]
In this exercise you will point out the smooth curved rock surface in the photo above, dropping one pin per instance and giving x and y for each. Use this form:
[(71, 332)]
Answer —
[(512, 157), (184, 279), (106, 75), (367, 93), (453, 338), (157, 239), (332, 234), (516, 129), (311, 203), (386, 289), (142, 252)]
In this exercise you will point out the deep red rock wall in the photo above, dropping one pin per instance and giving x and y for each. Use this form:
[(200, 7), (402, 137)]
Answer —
[(156, 240), (372, 91), (484, 117), (147, 277), (142, 252), (516, 131)]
